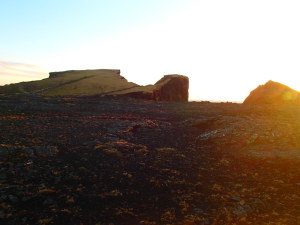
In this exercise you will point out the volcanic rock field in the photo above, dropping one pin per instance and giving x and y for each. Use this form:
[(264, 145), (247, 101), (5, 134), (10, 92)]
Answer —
[(111, 160)]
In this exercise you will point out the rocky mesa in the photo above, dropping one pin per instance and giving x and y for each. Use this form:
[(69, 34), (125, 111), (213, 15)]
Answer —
[(102, 82), (273, 93)]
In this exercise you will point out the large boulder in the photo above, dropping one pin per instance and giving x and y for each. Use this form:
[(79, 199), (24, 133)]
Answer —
[(172, 88), (273, 93)]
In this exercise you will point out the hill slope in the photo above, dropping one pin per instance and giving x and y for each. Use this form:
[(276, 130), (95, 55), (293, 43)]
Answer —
[(80, 82), (102, 82), (273, 93)]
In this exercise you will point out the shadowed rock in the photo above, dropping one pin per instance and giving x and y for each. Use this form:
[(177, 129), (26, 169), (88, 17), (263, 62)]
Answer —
[(172, 88), (273, 93)]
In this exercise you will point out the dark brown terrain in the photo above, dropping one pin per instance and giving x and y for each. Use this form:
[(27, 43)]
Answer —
[(121, 161)]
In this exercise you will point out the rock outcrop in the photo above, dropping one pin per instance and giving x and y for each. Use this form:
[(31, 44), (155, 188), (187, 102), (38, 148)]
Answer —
[(102, 82), (273, 93), (172, 88)]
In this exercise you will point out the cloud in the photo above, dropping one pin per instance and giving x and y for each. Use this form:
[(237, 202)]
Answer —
[(13, 72)]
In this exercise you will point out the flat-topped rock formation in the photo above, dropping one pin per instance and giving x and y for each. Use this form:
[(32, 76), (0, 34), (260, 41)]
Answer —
[(83, 72), (102, 82), (273, 93)]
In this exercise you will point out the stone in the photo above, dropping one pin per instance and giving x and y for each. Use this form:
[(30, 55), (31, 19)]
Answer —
[(26, 198), (46, 151), (3, 198), (48, 201), (3, 178), (13, 198), (198, 211), (2, 215), (12, 150), (235, 198), (172, 88), (6, 150), (102, 83), (273, 93), (239, 211)]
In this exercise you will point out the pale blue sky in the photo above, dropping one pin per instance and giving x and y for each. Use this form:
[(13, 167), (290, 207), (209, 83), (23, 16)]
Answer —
[(227, 48), (35, 28)]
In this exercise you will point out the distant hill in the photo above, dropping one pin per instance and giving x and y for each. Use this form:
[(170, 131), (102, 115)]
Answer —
[(102, 82), (273, 93)]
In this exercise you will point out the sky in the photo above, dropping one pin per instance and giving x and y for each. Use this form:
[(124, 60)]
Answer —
[(226, 48)]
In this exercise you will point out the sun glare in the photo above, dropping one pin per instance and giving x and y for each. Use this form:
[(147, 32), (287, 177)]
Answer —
[(226, 48)]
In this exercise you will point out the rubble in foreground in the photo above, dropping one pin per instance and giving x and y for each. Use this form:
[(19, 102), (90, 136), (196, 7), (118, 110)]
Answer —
[(124, 161)]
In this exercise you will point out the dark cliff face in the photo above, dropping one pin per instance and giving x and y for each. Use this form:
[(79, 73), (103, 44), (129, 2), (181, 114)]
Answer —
[(273, 93), (172, 88)]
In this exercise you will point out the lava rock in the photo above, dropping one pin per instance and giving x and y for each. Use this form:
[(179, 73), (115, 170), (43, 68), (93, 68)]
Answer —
[(6, 150), (13, 198), (2, 215), (172, 88), (46, 151), (273, 93)]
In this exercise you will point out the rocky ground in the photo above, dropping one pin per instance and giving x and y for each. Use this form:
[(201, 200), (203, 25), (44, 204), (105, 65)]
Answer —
[(122, 161)]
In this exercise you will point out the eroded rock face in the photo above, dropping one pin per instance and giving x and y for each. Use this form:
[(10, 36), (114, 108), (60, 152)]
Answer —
[(172, 88), (273, 93)]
